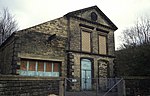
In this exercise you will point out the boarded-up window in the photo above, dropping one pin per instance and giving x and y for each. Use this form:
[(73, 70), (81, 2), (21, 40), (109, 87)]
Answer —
[(23, 65), (86, 42), (40, 66), (102, 45), (56, 67), (48, 67), (32, 65)]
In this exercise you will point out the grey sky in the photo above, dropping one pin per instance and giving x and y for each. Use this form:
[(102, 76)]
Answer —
[(32, 12)]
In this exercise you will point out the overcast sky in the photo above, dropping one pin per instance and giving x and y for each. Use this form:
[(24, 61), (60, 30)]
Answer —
[(123, 13)]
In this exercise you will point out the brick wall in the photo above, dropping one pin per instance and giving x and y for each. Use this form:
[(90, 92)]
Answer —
[(28, 86)]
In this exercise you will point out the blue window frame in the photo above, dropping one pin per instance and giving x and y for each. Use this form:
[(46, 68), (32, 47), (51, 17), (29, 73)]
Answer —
[(39, 68)]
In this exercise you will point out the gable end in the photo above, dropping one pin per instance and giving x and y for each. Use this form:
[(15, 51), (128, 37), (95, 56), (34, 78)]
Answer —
[(75, 13)]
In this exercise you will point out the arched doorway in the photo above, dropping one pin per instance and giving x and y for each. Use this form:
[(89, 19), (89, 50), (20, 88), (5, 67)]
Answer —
[(86, 72)]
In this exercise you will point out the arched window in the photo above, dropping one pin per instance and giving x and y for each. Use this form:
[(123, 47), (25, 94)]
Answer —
[(86, 74)]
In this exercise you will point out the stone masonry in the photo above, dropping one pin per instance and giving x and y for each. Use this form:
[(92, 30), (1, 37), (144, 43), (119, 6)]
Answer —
[(65, 46), (33, 43), (28, 86)]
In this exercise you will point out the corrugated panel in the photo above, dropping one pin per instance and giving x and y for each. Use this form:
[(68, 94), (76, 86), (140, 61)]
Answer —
[(102, 44), (86, 43)]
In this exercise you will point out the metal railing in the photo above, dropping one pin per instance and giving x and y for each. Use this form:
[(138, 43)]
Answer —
[(94, 87), (113, 87)]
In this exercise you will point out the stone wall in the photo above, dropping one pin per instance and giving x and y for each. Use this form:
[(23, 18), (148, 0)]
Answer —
[(101, 66), (57, 26), (75, 36), (75, 47), (8, 55), (29, 86), (36, 42)]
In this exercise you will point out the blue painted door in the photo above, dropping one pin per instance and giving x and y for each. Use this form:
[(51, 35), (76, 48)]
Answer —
[(86, 79)]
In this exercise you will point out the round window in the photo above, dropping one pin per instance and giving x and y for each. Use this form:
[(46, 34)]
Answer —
[(93, 16)]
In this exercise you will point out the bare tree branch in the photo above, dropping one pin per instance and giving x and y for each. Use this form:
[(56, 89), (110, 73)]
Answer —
[(7, 25), (138, 34)]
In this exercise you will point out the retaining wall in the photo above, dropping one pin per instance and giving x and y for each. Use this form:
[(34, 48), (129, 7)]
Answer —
[(29, 86)]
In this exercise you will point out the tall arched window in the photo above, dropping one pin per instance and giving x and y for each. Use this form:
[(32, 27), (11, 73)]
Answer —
[(86, 74)]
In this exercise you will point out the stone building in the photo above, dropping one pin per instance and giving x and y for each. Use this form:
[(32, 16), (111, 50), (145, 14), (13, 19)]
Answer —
[(78, 45)]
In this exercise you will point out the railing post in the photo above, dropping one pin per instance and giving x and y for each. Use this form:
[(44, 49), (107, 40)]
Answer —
[(61, 87), (97, 86), (121, 88), (65, 83), (124, 88), (113, 87)]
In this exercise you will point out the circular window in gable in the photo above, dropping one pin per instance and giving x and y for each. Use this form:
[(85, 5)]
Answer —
[(93, 16)]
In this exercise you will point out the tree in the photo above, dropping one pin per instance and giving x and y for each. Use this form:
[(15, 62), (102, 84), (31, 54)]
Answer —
[(8, 25), (133, 58), (138, 34), (133, 61)]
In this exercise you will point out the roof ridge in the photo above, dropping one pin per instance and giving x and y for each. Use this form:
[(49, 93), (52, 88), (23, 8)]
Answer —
[(80, 10)]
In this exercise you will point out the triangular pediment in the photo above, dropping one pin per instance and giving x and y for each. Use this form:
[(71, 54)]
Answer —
[(93, 14)]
